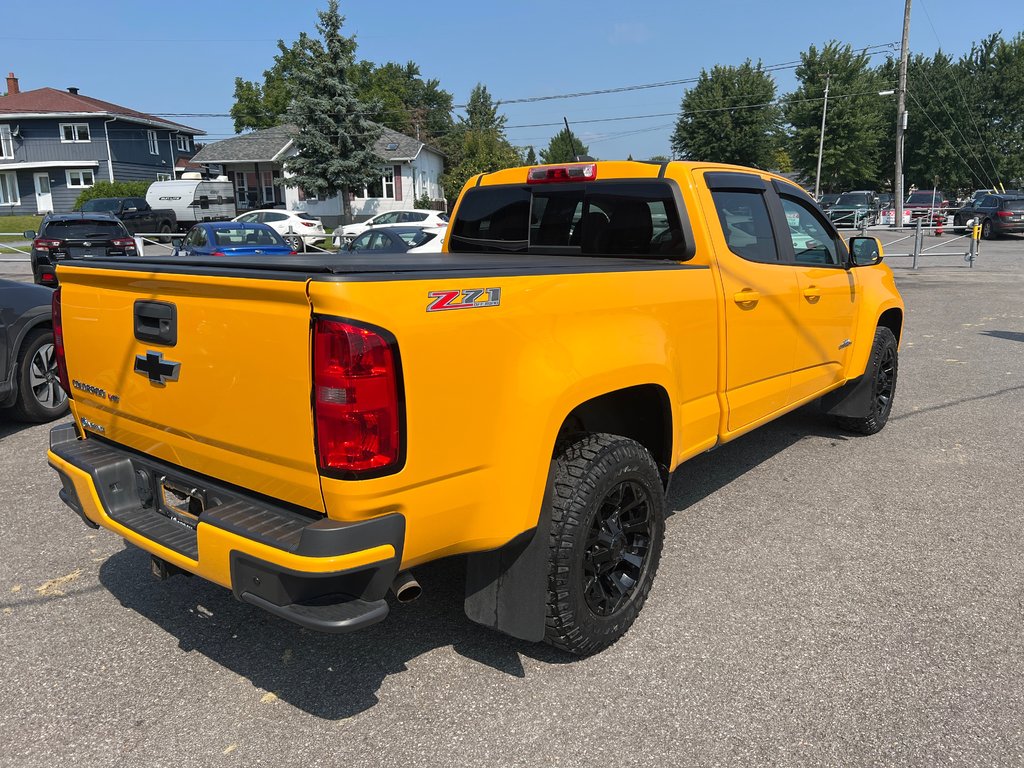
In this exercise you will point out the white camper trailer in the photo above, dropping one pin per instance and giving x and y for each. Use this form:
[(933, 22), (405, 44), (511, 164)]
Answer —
[(193, 199)]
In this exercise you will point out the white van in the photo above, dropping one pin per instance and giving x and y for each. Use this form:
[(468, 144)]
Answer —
[(194, 200)]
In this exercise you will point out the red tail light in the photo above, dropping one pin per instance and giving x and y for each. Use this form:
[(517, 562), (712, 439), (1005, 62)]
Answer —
[(48, 279), (45, 244), (1004, 213), (356, 395), (217, 253), (546, 174), (58, 343), (309, 223), (123, 242)]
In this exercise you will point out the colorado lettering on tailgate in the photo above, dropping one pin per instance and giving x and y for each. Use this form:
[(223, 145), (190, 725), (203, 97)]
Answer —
[(470, 299)]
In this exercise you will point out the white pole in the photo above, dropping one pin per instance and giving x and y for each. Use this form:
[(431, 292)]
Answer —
[(821, 141)]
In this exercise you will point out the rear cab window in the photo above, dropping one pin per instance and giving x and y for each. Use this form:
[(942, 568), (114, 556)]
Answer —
[(632, 219), (82, 228)]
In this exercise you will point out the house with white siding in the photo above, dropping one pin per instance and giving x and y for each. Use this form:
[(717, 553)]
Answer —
[(54, 144), (257, 164)]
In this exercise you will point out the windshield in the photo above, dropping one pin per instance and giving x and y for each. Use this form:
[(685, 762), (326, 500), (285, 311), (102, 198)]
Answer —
[(243, 236), (83, 228), (924, 198), (602, 218), (104, 204), (853, 198)]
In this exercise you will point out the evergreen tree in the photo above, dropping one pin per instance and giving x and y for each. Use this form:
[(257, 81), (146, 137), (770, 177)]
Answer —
[(335, 139), (477, 143), (729, 116), (563, 148), (529, 157)]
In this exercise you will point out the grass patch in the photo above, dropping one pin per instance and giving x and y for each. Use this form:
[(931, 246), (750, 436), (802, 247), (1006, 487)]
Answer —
[(17, 224)]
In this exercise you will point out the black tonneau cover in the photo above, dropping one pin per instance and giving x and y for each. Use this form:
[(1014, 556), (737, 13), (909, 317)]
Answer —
[(398, 266)]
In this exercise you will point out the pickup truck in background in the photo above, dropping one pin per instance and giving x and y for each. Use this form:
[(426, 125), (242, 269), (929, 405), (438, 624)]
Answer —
[(305, 431), (136, 215)]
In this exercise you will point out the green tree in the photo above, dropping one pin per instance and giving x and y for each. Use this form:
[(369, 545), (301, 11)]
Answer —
[(406, 102), (855, 125), (729, 116), (263, 105), (563, 148), (655, 159), (477, 143), (529, 156), (334, 139), (112, 189)]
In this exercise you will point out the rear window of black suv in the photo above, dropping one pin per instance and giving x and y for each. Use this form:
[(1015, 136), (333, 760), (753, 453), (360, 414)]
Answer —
[(82, 228)]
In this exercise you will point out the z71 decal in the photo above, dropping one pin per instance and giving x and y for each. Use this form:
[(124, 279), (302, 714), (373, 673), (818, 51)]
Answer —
[(471, 298)]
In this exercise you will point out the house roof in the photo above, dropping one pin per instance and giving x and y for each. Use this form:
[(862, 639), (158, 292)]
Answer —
[(50, 101), (270, 144)]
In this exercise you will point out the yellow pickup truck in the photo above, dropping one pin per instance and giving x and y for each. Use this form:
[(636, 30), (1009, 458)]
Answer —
[(306, 430)]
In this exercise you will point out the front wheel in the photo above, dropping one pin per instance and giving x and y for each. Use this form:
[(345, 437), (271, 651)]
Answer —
[(607, 530), (883, 367)]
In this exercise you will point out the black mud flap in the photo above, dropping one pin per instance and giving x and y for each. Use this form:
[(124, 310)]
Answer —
[(853, 399), (506, 589)]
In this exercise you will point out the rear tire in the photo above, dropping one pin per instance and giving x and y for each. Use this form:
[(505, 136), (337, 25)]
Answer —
[(297, 244), (986, 229), (40, 397), (165, 233), (607, 531), (883, 367)]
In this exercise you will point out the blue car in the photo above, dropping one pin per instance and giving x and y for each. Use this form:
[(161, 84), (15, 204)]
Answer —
[(232, 238)]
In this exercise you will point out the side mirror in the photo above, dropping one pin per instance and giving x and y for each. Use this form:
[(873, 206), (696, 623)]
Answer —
[(176, 242), (131, 210), (29, 234), (865, 251)]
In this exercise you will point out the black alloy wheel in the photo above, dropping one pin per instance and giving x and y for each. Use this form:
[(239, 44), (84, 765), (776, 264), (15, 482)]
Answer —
[(618, 548)]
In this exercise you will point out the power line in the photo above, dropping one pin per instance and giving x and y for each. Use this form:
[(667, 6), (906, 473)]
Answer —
[(946, 138)]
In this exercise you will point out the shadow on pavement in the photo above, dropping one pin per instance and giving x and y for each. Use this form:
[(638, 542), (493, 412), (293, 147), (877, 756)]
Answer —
[(1006, 335), (338, 676)]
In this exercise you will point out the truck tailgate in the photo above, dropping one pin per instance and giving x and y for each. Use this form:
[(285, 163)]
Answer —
[(228, 396)]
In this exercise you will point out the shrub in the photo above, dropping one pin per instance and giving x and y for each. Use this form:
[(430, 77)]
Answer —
[(113, 189)]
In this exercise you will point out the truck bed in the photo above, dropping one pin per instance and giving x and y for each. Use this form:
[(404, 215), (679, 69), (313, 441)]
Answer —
[(392, 266)]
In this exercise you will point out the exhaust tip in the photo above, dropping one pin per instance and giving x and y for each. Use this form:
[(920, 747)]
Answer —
[(406, 588)]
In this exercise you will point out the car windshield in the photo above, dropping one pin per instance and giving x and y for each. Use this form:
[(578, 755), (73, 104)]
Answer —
[(101, 204), (243, 236), (924, 198), (601, 218), (853, 198), (80, 228)]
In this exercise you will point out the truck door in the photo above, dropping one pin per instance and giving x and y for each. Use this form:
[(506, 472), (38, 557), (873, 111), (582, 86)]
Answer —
[(828, 294), (760, 299)]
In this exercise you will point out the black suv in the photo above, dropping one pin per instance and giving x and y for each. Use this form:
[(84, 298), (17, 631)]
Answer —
[(997, 215), (76, 236)]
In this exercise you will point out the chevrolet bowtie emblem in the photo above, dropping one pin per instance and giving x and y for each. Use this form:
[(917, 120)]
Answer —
[(155, 368)]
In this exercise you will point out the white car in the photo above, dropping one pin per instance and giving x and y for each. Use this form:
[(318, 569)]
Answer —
[(291, 225), (413, 217)]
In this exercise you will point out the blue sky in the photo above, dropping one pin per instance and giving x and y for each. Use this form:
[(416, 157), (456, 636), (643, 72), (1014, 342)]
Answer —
[(182, 57)]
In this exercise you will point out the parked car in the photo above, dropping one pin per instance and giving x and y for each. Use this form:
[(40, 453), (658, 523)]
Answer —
[(232, 238), (30, 388), (851, 209), (997, 215), (826, 200), (136, 214), (306, 229), (925, 202), (76, 235), (398, 240), (419, 217)]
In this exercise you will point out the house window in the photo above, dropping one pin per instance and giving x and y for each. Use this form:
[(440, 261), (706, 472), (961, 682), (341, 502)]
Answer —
[(6, 142), (183, 144), (268, 187), (154, 147), (80, 179), (74, 133), (9, 189), (384, 187), (163, 177)]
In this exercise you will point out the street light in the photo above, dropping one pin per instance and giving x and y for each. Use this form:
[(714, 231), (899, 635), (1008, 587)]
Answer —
[(821, 140)]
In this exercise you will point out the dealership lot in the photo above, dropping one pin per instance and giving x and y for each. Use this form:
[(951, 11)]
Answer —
[(822, 599)]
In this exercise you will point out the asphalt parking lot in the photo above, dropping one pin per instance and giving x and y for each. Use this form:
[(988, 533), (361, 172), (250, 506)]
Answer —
[(822, 600)]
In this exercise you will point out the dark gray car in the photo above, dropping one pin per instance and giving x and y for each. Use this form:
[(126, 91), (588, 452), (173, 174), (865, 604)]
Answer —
[(29, 384)]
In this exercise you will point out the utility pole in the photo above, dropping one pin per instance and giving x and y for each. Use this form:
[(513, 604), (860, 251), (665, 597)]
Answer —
[(821, 140), (901, 119)]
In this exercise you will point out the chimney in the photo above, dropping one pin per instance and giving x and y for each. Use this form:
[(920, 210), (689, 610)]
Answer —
[(73, 91), (12, 85)]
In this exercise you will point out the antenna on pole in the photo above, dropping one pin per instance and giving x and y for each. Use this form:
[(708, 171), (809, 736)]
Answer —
[(568, 133)]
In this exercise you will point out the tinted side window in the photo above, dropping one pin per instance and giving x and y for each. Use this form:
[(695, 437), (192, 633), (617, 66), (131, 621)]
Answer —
[(492, 219), (746, 225), (812, 240), (267, 217)]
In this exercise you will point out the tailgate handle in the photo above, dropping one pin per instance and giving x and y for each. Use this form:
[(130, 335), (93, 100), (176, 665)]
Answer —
[(156, 322)]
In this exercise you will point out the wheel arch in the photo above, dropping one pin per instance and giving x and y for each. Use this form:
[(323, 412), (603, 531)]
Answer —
[(892, 319), (642, 412)]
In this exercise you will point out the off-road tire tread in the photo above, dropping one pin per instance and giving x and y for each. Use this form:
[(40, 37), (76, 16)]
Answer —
[(582, 462), (874, 422)]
